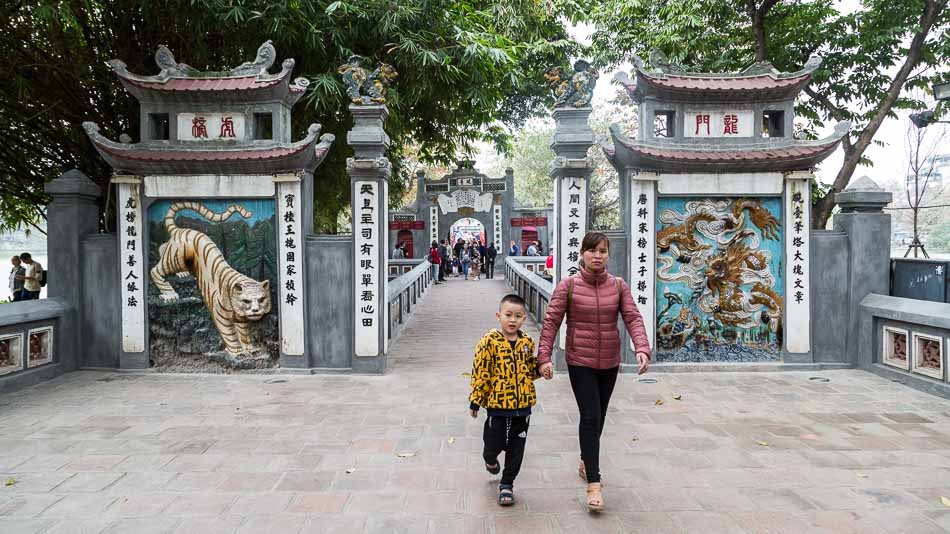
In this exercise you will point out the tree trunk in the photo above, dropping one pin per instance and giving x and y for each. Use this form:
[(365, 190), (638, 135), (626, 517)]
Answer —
[(853, 152), (758, 27)]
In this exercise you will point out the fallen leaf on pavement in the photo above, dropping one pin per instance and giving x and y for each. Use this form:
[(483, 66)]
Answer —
[(677, 397), (466, 375), (11, 481), (763, 443), (405, 454), (659, 402), (862, 475), (451, 440), (634, 439), (945, 501), (350, 470)]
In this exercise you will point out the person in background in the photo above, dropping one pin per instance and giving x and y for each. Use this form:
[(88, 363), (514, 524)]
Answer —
[(466, 259), (532, 249), (16, 279), (514, 250), (444, 254), (397, 252), (435, 260), (405, 250), (490, 255), (31, 277), (540, 248)]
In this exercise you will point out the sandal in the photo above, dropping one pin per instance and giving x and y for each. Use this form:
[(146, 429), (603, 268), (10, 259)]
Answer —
[(493, 469), (582, 472), (506, 496), (595, 498)]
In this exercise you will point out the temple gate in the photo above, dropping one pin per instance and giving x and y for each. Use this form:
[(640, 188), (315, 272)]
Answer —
[(467, 193), (716, 195), (213, 206)]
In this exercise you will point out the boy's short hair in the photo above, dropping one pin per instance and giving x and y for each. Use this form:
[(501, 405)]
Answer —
[(513, 299)]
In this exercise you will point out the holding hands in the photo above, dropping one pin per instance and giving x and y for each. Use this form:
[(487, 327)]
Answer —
[(547, 370)]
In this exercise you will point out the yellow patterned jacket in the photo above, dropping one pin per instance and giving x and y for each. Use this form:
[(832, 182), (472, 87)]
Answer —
[(503, 380)]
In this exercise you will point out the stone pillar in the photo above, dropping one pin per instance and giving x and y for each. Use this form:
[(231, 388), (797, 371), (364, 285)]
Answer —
[(72, 214), (133, 272), (570, 172), (369, 174), (862, 217), (641, 244), (797, 229)]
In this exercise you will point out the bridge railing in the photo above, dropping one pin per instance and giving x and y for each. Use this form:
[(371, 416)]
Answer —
[(521, 272), (404, 291), (398, 268)]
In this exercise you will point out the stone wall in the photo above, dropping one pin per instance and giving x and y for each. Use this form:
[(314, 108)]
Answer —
[(101, 320), (330, 298), (829, 296)]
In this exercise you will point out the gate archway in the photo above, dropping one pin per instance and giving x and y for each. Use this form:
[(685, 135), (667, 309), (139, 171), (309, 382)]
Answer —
[(467, 193)]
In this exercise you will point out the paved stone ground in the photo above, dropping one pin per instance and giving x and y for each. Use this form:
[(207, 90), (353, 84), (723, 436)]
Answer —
[(740, 452)]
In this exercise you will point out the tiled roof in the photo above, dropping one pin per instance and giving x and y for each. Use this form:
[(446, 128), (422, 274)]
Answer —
[(155, 158), (206, 84), (713, 156), (722, 83), (760, 82), (145, 154), (776, 155)]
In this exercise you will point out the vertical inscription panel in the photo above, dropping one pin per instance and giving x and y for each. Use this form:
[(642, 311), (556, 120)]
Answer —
[(573, 220), (643, 252), (797, 298), (367, 262), (291, 275), (131, 267), (496, 228)]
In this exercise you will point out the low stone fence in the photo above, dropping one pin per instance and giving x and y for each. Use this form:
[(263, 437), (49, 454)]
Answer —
[(906, 340), (404, 291), (532, 264), (400, 267), (520, 272), (31, 338)]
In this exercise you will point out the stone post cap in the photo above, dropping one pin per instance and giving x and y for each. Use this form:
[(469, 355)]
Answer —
[(369, 111), (864, 196), (73, 183)]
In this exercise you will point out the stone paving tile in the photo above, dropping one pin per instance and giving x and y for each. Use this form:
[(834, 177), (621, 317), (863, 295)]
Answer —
[(201, 453)]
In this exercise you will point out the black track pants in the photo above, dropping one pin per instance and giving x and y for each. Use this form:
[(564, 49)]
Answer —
[(506, 434), (592, 390)]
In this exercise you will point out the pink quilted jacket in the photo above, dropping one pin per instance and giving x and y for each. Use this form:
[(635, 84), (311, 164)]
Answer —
[(593, 339)]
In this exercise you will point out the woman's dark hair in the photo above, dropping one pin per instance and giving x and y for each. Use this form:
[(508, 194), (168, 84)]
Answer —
[(434, 245), (592, 239)]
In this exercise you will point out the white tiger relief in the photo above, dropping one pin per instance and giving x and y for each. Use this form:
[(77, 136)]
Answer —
[(233, 299)]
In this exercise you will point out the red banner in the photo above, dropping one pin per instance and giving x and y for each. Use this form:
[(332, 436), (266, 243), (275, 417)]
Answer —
[(529, 221), (407, 225)]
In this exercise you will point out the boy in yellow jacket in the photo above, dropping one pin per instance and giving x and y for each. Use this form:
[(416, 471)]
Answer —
[(503, 375)]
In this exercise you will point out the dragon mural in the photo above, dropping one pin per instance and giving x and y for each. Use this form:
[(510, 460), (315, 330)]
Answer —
[(718, 269)]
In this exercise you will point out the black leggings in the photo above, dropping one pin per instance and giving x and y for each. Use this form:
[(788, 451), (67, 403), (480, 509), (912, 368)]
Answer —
[(592, 390)]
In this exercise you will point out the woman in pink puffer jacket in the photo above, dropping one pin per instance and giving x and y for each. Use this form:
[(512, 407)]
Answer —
[(595, 299)]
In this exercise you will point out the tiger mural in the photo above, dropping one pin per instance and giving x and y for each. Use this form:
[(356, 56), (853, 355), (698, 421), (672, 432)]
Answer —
[(233, 299)]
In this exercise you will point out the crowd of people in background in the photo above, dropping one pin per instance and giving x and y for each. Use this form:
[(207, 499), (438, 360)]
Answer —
[(468, 259), (26, 278)]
